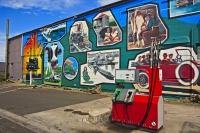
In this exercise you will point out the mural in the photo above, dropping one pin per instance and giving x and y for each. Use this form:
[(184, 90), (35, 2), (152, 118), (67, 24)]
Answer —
[(141, 27), (53, 60), (100, 67), (145, 28), (107, 30), (79, 37), (32, 57), (70, 68), (179, 65), (183, 7), (54, 32)]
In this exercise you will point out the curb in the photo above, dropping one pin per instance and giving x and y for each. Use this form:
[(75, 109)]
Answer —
[(99, 116), (27, 123)]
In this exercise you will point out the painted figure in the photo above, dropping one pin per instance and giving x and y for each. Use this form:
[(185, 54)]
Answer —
[(180, 66), (145, 27), (106, 28), (86, 76), (137, 24)]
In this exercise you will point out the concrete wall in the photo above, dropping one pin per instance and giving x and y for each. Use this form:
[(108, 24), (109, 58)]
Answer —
[(2, 68), (14, 58)]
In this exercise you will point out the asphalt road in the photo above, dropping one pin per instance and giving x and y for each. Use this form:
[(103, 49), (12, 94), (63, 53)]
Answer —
[(22, 101), (7, 126), (27, 101)]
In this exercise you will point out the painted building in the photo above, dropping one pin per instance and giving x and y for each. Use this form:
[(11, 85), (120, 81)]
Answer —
[(85, 50)]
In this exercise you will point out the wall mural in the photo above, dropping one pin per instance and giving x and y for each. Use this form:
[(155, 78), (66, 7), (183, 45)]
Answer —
[(54, 32), (145, 27), (53, 60), (100, 67), (53, 52), (142, 26), (79, 37), (107, 29), (179, 65), (32, 57), (70, 68), (183, 7)]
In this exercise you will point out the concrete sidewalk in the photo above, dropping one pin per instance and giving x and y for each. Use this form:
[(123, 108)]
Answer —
[(93, 117), (82, 117)]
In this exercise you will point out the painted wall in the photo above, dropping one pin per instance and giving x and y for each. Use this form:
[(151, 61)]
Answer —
[(86, 50), (32, 50)]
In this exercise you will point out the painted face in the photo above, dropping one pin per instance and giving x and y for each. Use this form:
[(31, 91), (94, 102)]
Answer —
[(53, 53)]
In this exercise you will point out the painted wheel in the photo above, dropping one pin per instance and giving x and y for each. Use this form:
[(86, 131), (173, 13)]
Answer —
[(187, 73), (143, 80)]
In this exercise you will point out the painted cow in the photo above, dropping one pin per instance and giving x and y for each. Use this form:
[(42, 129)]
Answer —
[(53, 51)]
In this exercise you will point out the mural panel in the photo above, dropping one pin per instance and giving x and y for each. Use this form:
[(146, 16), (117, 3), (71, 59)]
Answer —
[(142, 28), (184, 7), (54, 32), (79, 37), (145, 28), (107, 29), (70, 68), (53, 60), (180, 66), (31, 53), (100, 67)]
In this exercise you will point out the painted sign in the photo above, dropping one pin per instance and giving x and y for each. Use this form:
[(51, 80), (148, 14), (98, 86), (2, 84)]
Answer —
[(100, 67)]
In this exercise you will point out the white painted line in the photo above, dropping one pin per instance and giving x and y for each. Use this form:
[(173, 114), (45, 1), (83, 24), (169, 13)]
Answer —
[(170, 92), (178, 87), (176, 93), (5, 87), (8, 91)]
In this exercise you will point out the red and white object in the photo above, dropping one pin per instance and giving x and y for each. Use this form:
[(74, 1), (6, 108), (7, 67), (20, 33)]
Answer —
[(145, 110), (132, 114)]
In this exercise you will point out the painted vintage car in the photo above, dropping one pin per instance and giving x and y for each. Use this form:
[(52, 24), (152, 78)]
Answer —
[(181, 71)]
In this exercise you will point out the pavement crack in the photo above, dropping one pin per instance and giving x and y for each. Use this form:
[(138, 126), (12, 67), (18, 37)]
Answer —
[(80, 113), (68, 110)]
